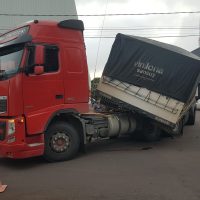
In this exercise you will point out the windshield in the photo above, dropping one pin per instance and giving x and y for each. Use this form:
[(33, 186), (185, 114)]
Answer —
[(10, 58)]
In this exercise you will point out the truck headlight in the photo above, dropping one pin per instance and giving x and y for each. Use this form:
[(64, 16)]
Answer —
[(11, 127)]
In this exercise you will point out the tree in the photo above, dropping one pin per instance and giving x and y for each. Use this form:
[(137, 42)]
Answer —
[(94, 84)]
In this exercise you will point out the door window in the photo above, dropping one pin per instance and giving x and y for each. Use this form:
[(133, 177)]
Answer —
[(51, 59)]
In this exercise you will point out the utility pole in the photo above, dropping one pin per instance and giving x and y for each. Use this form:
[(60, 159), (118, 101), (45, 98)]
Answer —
[(199, 32)]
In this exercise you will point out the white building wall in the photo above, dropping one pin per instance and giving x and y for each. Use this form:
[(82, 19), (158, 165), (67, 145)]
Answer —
[(34, 7)]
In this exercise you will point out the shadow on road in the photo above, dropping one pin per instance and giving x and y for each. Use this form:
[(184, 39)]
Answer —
[(125, 143), (22, 163)]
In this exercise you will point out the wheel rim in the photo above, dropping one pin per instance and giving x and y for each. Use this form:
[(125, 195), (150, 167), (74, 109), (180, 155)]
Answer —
[(60, 142)]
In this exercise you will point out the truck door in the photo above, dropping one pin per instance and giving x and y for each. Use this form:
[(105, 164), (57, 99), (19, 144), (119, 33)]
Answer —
[(76, 75), (42, 93)]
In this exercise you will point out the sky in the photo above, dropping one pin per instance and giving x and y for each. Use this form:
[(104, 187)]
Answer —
[(163, 25)]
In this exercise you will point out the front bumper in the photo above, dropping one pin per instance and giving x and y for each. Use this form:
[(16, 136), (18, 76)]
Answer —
[(18, 145), (22, 150)]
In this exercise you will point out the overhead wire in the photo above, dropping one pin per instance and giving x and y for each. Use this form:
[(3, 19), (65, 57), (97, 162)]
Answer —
[(101, 36), (95, 69), (145, 28), (101, 15), (122, 28), (117, 29), (162, 36)]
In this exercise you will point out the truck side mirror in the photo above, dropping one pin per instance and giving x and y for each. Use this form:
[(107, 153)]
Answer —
[(39, 60), (39, 55), (38, 70), (198, 93)]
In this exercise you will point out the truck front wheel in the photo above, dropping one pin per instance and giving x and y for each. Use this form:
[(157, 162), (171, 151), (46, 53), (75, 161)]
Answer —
[(192, 116), (151, 132), (62, 142)]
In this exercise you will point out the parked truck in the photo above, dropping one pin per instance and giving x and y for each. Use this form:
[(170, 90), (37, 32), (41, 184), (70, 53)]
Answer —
[(44, 94)]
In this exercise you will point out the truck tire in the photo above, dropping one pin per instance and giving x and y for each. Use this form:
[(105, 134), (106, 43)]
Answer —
[(151, 132), (62, 142), (178, 130), (114, 137), (192, 116)]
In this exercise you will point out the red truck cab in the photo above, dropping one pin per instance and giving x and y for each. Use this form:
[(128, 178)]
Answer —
[(43, 79)]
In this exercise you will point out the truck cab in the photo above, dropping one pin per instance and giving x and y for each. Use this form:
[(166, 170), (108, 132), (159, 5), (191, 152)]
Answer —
[(43, 76)]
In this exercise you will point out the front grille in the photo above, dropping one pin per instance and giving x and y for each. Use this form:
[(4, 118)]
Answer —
[(2, 130), (3, 104)]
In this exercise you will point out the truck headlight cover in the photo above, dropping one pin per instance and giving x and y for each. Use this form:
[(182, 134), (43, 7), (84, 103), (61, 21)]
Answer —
[(11, 127)]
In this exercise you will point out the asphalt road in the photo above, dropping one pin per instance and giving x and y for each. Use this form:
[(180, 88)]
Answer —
[(112, 169)]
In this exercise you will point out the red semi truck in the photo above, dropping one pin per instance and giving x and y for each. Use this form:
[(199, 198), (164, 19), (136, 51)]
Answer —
[(44, 94), (44, 88)]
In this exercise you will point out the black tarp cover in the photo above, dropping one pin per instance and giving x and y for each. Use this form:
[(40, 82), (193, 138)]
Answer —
[(157, 66)]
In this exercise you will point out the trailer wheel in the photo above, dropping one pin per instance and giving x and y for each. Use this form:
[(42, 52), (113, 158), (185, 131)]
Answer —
[(151, 132), (62, 142), (178, 131), (114, 137), (192, 116)]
